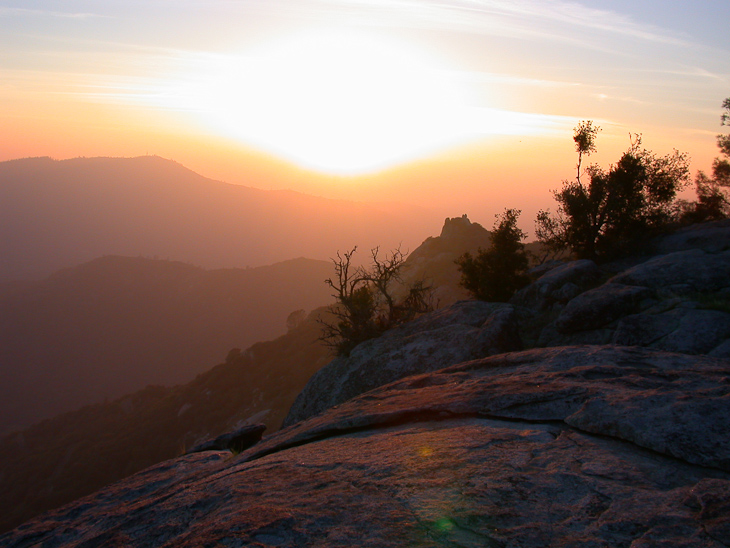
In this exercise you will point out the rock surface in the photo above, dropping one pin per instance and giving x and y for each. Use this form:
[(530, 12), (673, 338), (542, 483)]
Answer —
[(236, 441), (680, 273), (464, 331), (550, 287), (676, 300), (711, 237), (600, 306), (575, 446)]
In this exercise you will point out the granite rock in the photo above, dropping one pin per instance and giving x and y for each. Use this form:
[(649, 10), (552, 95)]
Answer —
[(235, 441), (600, 306), (464, 331), (548, 289), (591, 446)]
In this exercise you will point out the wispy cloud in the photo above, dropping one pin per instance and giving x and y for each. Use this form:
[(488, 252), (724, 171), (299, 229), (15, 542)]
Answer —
[(518, 18), (694, 72), (6, 12)]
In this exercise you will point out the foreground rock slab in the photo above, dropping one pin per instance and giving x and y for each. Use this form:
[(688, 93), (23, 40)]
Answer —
[(590, 446), (463, 331)]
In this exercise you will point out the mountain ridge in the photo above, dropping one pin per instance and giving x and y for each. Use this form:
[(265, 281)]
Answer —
[(58, 213), (116, 324)]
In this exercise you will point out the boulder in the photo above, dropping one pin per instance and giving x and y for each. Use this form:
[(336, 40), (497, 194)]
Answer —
[(600, 306), (589, 446), (550, 287), (681, 273), (464, 331), (235, 441), (551, 336), (722, 350), (687, 330), (712, 237)]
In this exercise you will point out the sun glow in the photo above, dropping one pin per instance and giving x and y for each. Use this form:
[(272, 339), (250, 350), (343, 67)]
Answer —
[(333, 101), (338, 102)]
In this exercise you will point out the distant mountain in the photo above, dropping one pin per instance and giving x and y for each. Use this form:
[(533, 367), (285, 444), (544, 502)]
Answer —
[(116, 324), (55, 214), (61, 459)]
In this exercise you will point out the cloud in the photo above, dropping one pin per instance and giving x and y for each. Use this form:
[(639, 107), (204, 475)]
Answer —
[(4, 12), (515, 18)]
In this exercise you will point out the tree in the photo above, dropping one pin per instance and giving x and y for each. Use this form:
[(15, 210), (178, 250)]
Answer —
[(367, 302), (584, 136), (635, 196), (712, 200), (495, 274)]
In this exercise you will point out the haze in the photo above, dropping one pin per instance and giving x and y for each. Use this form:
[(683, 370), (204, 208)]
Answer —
[(175, 178), (459, 107)]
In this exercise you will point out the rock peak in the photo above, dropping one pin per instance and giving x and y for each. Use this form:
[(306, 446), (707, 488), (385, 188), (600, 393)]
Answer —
[(454, 226)]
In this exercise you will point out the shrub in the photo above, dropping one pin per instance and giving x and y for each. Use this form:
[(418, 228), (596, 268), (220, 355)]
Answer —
[(601, 218), (712, 199), (366, 300), (495, 274)]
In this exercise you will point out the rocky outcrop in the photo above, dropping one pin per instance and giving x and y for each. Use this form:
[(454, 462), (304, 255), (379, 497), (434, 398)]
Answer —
[(678, 300), (558, 285), (235, 441), (711, 237), (576, 446), (465, 331), (600, 306), (687, 330), (435, 259), (680, 273)]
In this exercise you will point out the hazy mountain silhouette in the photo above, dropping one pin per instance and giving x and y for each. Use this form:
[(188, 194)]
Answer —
[(55, 214), (71, 455), (117, 324)]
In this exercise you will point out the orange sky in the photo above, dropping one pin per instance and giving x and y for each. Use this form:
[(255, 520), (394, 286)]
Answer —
[(459, 107)]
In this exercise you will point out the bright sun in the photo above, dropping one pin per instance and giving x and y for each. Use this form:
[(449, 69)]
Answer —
[(342, 102)]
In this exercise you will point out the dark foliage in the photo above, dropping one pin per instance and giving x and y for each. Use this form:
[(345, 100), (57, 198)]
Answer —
[(712, 195), (603, 217), (367, 299), (495, 274)]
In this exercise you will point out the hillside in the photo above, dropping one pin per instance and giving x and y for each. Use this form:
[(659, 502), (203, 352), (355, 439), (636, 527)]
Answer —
[(120, 437), (608, 429), (69, 456), (116, 324), (56, 214)]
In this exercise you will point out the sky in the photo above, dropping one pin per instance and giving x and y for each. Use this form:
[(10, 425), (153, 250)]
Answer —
[(456, 106)]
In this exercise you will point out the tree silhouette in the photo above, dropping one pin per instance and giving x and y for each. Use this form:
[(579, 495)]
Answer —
[(584, 136), (495, 274), (366, 302), (630, 199), (712, 199)]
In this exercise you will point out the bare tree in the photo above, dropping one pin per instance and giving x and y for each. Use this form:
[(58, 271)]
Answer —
[(366, 303)]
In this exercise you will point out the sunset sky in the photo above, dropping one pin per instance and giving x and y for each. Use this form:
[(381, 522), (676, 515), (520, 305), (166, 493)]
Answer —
[(457, 106)]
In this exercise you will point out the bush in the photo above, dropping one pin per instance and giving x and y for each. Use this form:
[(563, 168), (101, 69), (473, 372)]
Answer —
[(495, 274), (712, 199), (602, 218), (366, 303)]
